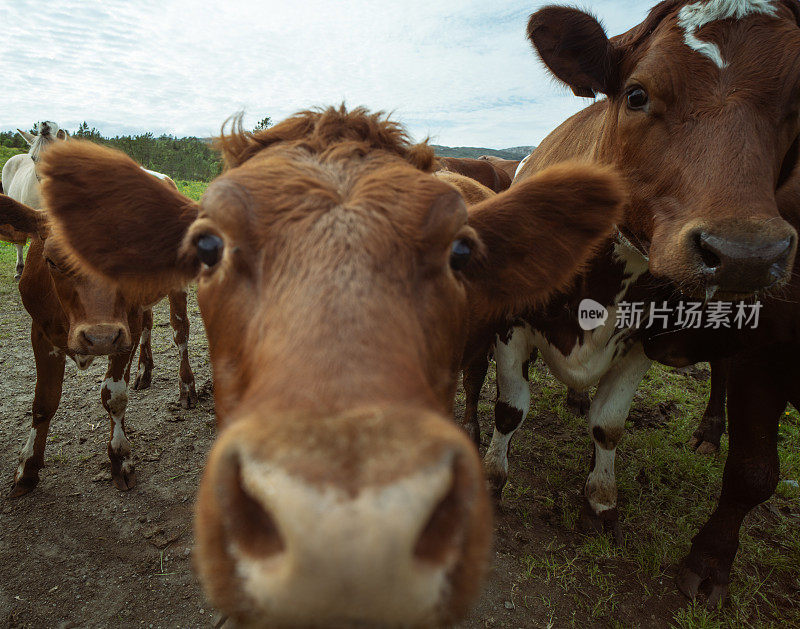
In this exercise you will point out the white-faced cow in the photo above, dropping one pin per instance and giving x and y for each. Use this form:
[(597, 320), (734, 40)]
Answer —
[(20, 182), (334, 278), (701, 118)]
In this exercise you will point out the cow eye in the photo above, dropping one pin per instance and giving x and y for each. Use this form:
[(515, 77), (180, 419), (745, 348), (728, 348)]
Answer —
[(637, 98), (52, 264), (460, 253), (209, 249)]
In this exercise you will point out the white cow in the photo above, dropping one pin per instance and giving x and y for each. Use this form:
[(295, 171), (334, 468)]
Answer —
[(21, 183)]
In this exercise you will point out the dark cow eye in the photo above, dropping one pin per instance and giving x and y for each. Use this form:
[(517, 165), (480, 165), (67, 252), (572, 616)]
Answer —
[(52, 264), (637, 98), (209, 249), (460, 253)]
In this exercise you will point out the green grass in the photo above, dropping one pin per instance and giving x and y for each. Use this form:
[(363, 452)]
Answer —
[(192, 189), (6, 153), (666, 492)]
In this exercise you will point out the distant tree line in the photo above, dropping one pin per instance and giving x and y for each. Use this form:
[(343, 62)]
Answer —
[(188, 159)]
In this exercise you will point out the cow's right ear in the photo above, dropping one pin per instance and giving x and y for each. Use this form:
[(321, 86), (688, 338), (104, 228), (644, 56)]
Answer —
[(539, 234), (20, 217), (29, 137), (115, 220), (575, 48)]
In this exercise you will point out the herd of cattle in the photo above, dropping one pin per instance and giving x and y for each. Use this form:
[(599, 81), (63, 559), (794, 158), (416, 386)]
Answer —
[(346, 276)]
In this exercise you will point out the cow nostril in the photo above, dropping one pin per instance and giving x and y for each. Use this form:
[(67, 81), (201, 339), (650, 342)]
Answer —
[(247, 520), (117, 338), (709, 257), (86, 338), (441, 534)]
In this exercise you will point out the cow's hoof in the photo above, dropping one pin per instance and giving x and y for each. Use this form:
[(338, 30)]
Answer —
[(125, 479), (691, 584), (702, 446), (601, 523), (23, 486), (143, 380), (496, 482), (188, 397), (474, 434), (578, 401), (705, 439)]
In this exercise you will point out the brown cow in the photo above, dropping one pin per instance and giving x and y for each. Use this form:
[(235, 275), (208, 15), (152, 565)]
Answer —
[(701, 119), (760, 365), (76, 316), (508, 166), (334, 273), (479, 170)]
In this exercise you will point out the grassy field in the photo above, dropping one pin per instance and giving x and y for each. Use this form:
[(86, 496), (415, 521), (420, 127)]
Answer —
[(666, 493), (192, 189), (6, 153)]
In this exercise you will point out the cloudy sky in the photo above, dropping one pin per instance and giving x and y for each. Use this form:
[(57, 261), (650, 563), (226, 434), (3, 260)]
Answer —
[(461, 72)]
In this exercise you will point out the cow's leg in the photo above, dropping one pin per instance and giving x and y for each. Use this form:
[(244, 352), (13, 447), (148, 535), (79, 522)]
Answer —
[(511, 407), (607, 415), (49, 377), (473, 377), (705, 439), (144, 370), (756, 398), (20, 261), (114, 396), (179, 319), (578, 401)]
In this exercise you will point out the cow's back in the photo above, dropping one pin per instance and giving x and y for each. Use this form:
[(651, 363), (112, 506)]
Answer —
[(576, 138), (479, 170), (20, 182)]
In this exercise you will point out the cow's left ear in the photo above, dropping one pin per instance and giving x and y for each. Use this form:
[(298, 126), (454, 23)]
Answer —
[(20, 217), (575, 48), (114, 219), (29, 137), (539, 234)]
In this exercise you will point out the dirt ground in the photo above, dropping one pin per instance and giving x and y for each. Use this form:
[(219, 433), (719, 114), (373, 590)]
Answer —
[(78, 553)]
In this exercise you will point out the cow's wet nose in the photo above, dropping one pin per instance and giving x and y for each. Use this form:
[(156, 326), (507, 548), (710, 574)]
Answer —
[(743, 264), (102, 339), (343, 548)]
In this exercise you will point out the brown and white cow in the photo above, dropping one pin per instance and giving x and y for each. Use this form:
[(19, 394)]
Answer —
[(485, 172), (701, 118), (76, 316), (334, 279), (20, 181)]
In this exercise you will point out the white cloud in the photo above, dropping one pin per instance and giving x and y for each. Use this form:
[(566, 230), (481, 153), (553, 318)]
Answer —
[(461, 72)]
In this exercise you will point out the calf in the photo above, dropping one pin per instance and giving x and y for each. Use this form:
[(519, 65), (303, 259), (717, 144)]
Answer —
[(77, 316), (334, 279), (701, 119), (480, 170)]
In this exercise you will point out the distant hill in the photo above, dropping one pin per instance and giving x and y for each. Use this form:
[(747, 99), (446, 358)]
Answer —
[(515, 152)]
